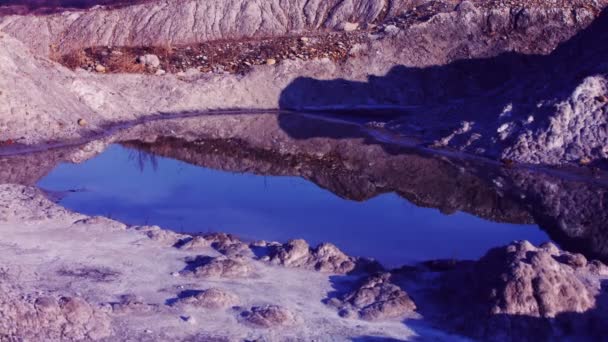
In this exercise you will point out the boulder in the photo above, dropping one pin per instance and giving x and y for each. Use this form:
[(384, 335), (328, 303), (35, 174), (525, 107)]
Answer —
[(149, 60)]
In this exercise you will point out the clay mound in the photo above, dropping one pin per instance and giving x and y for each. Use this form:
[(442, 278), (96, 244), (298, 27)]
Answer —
[(298, 254), (226, 244), (518, 289), (375, 299), (46, 318), (218, 267), (268, 316), (213, 298)]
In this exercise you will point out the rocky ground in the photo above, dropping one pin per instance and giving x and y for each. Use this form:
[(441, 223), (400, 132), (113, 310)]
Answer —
[(66, 276), (523, 82)]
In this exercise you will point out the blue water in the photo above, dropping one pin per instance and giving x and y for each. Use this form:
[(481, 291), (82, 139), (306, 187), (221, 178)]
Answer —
[(188, 198)]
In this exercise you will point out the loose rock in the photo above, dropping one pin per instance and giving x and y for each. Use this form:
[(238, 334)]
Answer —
[(149, 60), (348, 26)]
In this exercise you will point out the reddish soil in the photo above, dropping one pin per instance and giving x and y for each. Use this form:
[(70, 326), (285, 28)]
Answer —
[(218, 56)]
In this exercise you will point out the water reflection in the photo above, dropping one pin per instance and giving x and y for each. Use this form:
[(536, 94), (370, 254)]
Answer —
[(188, 198), (244, 174)]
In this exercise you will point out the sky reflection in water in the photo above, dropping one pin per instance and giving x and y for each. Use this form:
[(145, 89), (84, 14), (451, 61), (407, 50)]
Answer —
[(189, 198)]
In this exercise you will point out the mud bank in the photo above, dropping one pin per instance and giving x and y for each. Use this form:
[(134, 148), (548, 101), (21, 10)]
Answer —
[(502, 82)]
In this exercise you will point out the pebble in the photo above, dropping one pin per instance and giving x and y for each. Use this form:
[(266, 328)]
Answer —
[(189, 319), (349, 27), (149, 60), (271, 61), (100, 68), (82, 122), (391, 30)]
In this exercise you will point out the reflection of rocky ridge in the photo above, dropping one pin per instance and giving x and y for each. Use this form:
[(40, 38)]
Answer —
[(27, 169), (574, 213), (425, 181), (350, 168), (345, 160)]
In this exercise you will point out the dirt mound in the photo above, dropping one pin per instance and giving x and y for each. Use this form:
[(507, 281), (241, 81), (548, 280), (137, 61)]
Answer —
[(48, 318), (297, 253), (375, 299), (518, 289)]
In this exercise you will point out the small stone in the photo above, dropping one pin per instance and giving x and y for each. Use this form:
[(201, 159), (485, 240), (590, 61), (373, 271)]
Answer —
[(149, 60), (82, 122), (271, 61), (160, 72), (507, 162), (304, 39), (100, 68), (584, 161), (189, 319), (348, 26), (391, 30), (602, 98)]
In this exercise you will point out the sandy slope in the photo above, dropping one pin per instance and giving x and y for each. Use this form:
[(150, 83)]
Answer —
[(420, 69)]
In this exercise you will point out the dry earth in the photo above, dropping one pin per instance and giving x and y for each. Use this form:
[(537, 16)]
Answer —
[(525, 82)]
